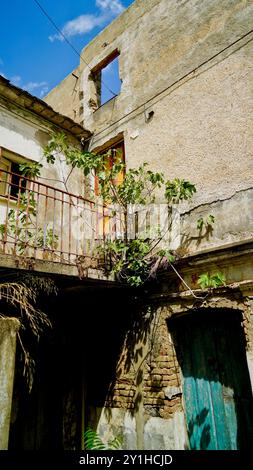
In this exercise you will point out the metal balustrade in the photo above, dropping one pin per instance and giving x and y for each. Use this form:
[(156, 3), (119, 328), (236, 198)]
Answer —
[(44, 222)]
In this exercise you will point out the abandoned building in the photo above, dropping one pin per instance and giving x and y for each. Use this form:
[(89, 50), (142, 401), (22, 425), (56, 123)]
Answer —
[(167, 365)]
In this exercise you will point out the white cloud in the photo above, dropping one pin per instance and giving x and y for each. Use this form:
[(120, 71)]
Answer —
[(1, 73), (85, 23), (39, 87), (80, 25), (115, 6)]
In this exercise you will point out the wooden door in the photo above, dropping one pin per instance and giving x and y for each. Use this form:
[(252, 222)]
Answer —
[(216, 385)]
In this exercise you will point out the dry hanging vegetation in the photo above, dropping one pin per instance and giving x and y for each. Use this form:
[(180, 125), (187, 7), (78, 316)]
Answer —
[(22, 297)]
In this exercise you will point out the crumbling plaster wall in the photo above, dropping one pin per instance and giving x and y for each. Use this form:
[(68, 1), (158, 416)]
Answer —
[(202, 125), (233, 223), (201, 130), (26, 135), (66, 96)]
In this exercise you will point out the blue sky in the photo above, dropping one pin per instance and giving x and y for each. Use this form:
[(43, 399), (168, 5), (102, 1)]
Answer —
[(33, 55)]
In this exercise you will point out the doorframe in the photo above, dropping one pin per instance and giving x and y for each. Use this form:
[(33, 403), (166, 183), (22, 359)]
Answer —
[(184, 305)]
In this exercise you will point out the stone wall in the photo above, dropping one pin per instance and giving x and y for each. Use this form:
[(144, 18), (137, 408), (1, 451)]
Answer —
[(26, 135), (67, 96), (158, 374), (144, 402)]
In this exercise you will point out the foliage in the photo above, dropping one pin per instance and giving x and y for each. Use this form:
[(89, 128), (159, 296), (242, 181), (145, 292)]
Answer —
[(211, 281), (23, 297), (132, 260), (178, 190), (22, 226), (128, 259), (167, 254), (30, 169), (46, 239), (139, 186), (75, 158), (92, 441), (207, 223)]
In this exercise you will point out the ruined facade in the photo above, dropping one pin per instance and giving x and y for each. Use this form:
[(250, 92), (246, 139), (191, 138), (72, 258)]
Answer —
[(185, 107), (46, 225), (164, 371)]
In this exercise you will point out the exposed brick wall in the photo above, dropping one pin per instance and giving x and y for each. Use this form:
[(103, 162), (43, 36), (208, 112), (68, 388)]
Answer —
[(162, 377), (162, 382), (156, 381), (122, 395)]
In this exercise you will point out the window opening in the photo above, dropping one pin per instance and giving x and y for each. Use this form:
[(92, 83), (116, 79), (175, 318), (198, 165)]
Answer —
[(116, 152), (107, 80), (13, 182)]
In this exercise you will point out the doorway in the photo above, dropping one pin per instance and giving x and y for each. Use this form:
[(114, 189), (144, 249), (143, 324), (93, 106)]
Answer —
[(210, 346)]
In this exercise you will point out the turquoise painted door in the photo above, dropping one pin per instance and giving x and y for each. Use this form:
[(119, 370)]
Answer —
[(216, 384)]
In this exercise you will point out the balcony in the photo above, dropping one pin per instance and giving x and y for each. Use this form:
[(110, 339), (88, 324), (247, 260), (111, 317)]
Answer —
[(41, 223)]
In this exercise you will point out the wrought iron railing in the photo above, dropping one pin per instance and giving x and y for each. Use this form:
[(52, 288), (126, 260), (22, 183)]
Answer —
[(43, 222)]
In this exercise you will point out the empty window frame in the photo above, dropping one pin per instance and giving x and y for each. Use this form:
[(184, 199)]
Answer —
[(11, 179), (106, 79)]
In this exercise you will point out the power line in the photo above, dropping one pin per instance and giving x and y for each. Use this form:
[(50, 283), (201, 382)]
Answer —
[(154, 96), (68, 42), (173, 84)]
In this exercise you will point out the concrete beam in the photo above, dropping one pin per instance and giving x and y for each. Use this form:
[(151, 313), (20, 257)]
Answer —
[(8, 332)]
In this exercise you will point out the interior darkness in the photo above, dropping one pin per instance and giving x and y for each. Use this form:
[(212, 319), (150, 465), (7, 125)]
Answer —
[(79, 352)]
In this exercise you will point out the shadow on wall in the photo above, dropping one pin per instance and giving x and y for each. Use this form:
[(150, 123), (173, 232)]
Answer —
[(137, 343), (211, 349), (107, 318), (199, 421), (78, 363), (75, 367)]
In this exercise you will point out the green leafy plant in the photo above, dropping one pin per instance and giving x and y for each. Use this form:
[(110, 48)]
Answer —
[(132, 260), (127, 259), (167, 254), (47, 239), (178, 190), (92, 441), (207, 281), (31, 169)]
